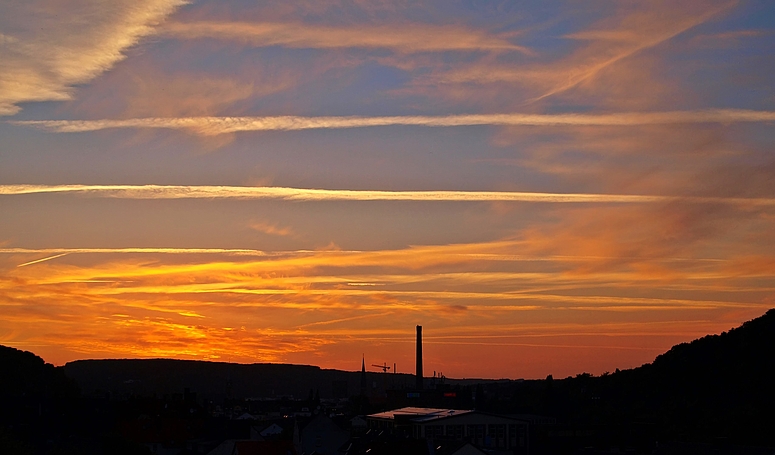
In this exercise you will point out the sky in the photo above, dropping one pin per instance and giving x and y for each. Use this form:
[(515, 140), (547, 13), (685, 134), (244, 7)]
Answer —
[(547, 187)]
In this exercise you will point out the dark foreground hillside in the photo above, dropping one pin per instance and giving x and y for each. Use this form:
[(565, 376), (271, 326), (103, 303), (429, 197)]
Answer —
[(720, 386), (719, 389), (43, 412)]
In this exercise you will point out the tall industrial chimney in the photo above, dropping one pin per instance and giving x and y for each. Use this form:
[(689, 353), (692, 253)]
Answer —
[(419, 358)]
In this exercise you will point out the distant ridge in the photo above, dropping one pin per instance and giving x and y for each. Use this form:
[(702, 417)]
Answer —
[(216, 380), (746, 354)]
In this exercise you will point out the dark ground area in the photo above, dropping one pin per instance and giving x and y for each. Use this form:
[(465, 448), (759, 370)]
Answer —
[(713, 395)]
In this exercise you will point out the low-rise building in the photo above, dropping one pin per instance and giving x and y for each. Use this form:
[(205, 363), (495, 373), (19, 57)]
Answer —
[(479, 428)]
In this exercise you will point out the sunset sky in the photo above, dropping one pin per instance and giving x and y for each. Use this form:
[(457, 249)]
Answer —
[(547, 187)]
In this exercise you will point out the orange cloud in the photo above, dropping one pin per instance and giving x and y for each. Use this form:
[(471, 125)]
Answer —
[(271, 229)]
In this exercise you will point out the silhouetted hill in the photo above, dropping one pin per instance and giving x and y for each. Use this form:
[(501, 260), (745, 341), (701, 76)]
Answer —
[(25, 376), (744, 353), (38, 404), (216, 380), (719, 387), (716, 386)]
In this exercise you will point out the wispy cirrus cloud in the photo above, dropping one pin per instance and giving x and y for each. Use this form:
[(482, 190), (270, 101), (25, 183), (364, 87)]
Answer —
[(271, 229), (305, 194), (639, 31), (53, 46), (653, 226), (221, 125), (406, 38), (63, 251), (616, 61)]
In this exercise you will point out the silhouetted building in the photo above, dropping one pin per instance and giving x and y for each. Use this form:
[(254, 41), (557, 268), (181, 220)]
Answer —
[(479, 428), (364, 385), (418, 369), (321, 436)]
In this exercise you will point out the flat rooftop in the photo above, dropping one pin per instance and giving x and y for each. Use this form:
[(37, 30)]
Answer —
[(418, 414)]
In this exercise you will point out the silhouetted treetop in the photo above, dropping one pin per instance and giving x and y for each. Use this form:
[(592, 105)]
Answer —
[(23, 374)]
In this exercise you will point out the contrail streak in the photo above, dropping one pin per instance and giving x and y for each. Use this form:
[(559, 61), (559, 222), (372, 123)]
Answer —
[(311, 195), (63, 251), (210, 126), (43, 260)]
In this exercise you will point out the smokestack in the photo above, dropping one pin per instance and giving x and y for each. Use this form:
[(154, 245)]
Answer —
[(419, 358)]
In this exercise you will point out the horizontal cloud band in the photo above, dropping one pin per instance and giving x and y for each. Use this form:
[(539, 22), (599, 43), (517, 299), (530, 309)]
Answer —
[(304, 194), (210, 126), (63, 251)]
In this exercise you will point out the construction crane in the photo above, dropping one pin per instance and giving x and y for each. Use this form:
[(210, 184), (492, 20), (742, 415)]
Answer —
[(384, 367)]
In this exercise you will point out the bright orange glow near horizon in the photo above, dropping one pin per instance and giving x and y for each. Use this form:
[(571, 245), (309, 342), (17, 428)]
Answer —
[(322, 307), (550, 189)]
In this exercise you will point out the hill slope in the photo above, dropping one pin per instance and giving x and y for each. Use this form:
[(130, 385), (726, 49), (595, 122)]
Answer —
[(25, 376), (718, 386)]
